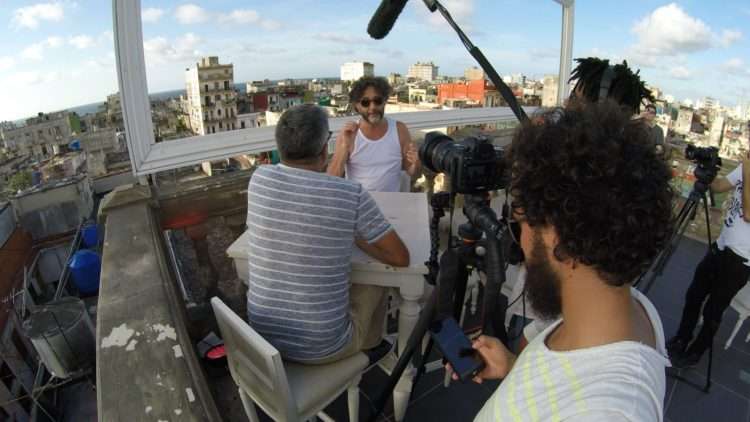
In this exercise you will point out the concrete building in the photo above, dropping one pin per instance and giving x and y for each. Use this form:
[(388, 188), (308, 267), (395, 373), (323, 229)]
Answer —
[(248, 120), (684, 121), (42, 135), (395, 79), (258, 86), (417, 95), (212, 100), (549, 92), (54, 208), (478, 92), (351, 71), (423, 71), (473, 73), (710, 103)]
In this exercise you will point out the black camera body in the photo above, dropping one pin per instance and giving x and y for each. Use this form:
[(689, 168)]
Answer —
[(474, 165), (707, 162)]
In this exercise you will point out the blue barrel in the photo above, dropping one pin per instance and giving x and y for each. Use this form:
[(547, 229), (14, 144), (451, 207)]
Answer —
[(85, 267), (90, 236), (36, 177)]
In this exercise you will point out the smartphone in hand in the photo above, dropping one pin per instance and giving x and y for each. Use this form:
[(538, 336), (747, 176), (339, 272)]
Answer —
[(456, 348)]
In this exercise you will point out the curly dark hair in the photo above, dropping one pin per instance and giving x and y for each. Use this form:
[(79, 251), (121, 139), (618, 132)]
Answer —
[(359, 87), (591, 173), (626, 87)]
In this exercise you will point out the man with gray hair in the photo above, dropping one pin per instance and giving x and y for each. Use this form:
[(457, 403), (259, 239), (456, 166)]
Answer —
[(303, 225)]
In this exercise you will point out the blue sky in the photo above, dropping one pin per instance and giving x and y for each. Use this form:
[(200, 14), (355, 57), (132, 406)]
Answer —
[(57, 54)]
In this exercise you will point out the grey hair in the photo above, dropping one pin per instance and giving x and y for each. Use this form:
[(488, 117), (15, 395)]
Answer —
[(302, 133)]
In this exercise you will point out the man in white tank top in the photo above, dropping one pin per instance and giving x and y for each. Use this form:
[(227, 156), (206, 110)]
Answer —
[(374, 150)]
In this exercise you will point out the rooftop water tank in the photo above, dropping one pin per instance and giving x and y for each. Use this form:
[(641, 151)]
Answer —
[(63, 335), (90, 236), (85, 267)]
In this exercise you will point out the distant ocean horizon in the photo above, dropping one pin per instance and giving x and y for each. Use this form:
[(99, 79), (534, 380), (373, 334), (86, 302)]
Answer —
[(84, 109)]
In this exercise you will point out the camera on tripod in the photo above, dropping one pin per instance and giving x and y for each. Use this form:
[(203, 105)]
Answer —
[(707, 162), (474, 165)]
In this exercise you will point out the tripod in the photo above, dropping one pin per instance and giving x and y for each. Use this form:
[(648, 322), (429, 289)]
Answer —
[(686, 214), (447, 299)]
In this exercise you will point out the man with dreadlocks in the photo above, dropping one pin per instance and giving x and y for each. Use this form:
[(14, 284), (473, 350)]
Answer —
[(596, 80)]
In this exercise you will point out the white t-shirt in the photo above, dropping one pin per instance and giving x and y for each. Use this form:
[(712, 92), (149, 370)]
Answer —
[(735, 232), (623, 381)]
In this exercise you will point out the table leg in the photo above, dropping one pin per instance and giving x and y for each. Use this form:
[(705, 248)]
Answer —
[(407, 319)]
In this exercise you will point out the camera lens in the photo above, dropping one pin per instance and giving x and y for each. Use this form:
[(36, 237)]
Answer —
[(436, 153)]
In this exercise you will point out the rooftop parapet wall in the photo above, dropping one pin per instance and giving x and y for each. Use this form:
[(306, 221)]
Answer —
[(146, 366)]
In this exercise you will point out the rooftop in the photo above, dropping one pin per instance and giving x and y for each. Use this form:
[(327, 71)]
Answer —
[(209, 215)]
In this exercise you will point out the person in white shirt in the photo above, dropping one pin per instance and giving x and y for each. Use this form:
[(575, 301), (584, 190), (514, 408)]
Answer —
[(720, 275), (594, 204), (375, 149)]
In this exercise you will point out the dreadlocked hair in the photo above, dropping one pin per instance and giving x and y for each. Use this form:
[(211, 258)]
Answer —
[(626, 88)]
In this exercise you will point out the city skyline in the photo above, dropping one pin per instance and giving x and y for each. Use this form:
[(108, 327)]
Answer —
[(59, 54)]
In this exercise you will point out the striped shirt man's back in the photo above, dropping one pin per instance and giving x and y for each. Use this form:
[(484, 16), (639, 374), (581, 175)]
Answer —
[(302, 226)]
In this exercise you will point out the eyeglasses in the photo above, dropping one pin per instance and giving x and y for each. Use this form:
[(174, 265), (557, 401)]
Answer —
[(365, 102)]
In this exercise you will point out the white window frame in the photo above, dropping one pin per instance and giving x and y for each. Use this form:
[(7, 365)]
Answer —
[(148, 157)]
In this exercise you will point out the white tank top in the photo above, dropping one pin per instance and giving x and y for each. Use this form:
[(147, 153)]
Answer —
[(376, 163)]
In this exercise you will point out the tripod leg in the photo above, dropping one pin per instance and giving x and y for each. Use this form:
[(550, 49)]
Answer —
[(707, 387), (449, 264), (680, 226), (708, 220)]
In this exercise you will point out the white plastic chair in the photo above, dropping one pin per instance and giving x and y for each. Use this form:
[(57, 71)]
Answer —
[(741, 304), (285, 391)]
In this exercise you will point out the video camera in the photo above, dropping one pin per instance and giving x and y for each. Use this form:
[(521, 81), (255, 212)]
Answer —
[(474, 165), (707, 160)]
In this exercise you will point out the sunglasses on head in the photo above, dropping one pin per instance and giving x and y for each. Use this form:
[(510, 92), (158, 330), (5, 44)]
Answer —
[(365, 102)]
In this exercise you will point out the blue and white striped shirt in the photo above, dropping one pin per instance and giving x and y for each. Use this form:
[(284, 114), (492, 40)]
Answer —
[(302, 226)]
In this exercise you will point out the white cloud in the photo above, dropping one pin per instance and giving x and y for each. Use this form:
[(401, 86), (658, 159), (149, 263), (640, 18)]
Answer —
[(6, 63), (241, 16), (29, 16), (152, 14), (679, 72), (269, 24), (668, 34), (36, 51), (461, 11), (106, 37), (187, 14), (730, 36), (54, 41), (341, 38), (33, 52), (248, 17), (161, 50), (668, 30), (735, 66), (32, 78), (81, 42)]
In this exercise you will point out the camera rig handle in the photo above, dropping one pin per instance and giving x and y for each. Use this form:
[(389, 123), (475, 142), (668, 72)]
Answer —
[(505, 91)]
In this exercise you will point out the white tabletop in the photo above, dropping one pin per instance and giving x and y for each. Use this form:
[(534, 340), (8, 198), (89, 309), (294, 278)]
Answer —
[(408, 214)]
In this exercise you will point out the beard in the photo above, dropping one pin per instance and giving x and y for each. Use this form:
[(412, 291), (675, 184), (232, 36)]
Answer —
[(542, 282), (372, 119)]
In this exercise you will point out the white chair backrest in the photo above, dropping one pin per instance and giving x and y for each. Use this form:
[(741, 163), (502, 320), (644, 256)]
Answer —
[(743, 297), (255, 365)]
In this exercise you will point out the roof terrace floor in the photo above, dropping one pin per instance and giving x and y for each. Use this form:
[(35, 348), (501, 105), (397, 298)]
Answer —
[(728, 400)]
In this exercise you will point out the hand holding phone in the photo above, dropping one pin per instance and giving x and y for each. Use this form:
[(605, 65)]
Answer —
[(456, 348)]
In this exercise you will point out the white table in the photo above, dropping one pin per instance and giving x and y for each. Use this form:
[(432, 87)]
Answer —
[(408, 213)]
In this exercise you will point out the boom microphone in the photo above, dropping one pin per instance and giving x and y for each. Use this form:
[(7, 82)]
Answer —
[(384, 18)]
